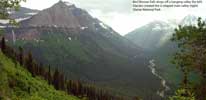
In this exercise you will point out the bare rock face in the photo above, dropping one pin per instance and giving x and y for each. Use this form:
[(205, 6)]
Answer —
[(62, 14)]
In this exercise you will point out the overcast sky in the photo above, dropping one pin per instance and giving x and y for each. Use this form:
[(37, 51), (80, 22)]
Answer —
[(118, 13)]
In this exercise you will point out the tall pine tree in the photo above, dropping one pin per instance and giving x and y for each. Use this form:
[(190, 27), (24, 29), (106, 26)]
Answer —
[(191, 57), (3, 45), (49, 75), (56, 79), (21, 56)]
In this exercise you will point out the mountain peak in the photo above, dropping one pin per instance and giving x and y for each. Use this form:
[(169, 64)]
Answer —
[(62, 14), (189, 20), (64, 3)]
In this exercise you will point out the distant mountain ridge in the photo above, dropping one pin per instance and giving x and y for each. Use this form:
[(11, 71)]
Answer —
[(23, 13), (20, 15), (189, 20), (155, 34), (151, 40), (152, 35)]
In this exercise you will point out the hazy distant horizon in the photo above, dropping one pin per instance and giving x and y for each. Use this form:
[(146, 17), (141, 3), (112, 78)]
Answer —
[(121, 17)]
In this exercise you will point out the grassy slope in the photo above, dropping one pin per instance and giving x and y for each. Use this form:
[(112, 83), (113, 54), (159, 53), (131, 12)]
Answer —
[(15, 82)]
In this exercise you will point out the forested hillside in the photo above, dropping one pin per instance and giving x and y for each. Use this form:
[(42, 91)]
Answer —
[(16, 83), (21, 62)]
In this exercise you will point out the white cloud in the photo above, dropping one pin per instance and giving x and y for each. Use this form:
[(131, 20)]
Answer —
[(118, 13)]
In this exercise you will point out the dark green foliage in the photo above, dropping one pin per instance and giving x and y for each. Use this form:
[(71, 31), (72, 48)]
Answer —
[(192, 56), (62, 82), (49, 76), (3, 44), (10, 52), (16, 83), (58, 80), (7, 5), (137, 98), (21, 56), (182, 94), (29, 63)]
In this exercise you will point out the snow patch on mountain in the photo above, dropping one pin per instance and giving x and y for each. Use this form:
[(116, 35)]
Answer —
[(22, 19), (103, 25), (68, 3), (69, 38), (83, 28), (157, 27), (2, 26), (2, 21), (32, 13)]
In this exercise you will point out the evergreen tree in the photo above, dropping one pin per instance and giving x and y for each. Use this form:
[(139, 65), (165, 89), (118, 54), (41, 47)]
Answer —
[(191, 56), (3, 45), (49, 75), (6, 5), (61, 81), (21, 56), (56, 80), (30, 63)]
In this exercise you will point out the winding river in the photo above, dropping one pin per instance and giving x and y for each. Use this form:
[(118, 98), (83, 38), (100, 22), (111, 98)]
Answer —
[(166, 88)]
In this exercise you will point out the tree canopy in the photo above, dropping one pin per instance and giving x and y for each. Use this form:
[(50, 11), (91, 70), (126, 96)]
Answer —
[(191, 56), (6, 6)]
